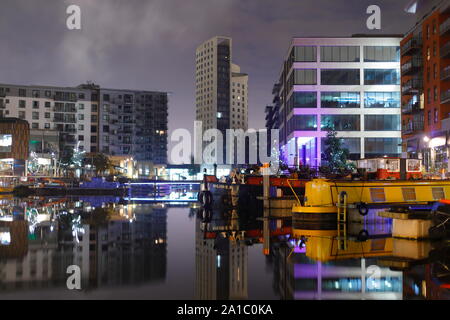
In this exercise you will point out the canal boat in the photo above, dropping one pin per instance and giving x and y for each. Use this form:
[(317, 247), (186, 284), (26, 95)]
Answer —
[(334, 199), (391, 168)]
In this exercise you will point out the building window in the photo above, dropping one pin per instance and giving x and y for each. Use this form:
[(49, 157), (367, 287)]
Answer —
[(305, 76), (381, 76), (80, 138), (380, 147), (429, 117), (106, 97), (341, 122), (35, 104), (81, 106), (302, 123), (47, 125), (353, 145), (339, 54), (47, 104), (340, 100), (436, 115), (94, 108), (35, 115), (47, 115), (22, 92), (302, 99), (80, 116), (80, 127), (435, 93), (382, 122), (381, 54), (340, 77), (35, 93), (48, 94), (305, 54), (382, 100), (35, 125), (22, 103), (21, 114)]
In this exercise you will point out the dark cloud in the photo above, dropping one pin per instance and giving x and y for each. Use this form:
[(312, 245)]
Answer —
[(150, 44)]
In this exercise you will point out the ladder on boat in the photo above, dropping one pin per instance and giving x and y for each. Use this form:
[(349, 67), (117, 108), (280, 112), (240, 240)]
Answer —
[(342, 221)]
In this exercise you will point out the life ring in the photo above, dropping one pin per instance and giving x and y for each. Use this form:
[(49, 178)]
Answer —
[(363, 209), (205, 198), (363, 235)]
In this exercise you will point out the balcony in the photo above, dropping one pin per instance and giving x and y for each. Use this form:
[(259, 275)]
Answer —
[(445, 51), (64, 120), (411, 67), (445, 9), (412, 86), (445, 27), (412, 46), (412, 127), (445, 74), (411, 107), (445, 97)]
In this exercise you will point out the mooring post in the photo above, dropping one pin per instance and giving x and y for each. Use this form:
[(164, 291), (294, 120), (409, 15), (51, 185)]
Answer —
[(266, 196)]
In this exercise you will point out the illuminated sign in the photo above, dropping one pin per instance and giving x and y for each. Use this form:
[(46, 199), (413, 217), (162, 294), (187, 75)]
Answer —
[(5, 142), (5, 237)]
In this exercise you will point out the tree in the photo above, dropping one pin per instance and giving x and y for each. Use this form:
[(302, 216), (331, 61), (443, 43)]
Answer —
[(335, 154), (101, 163)]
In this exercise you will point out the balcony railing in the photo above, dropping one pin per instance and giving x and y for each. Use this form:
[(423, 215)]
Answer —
[(411, 107), (412, 66), (411, 46), (445, 27), (445, 51), (413, 127), (412, 86), (445, 74), (445, 96)]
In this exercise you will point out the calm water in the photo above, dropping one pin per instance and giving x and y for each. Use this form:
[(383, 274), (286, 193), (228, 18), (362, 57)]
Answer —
[(158, 251)]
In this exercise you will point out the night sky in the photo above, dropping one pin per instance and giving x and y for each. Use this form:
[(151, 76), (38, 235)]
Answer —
[(150, 45)]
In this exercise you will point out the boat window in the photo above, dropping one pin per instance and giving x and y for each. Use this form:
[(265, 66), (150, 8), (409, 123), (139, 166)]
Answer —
[(409, 194), (393, 165), (377, 194), (438, 193), (413, 165)]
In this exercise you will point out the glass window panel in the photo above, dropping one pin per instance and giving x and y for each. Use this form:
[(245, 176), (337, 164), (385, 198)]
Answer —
[(305, 76), (302, 123), (382, 100), (379, 147), (341, 122), (381, 54), (381, 77), (340, 77), (340, 100)]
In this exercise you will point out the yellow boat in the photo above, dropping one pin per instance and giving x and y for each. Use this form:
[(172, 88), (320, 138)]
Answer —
[(324, 245), (330, 197)]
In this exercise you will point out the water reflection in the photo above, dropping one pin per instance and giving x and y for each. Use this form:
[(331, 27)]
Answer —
[(113, 244), (220, 254)]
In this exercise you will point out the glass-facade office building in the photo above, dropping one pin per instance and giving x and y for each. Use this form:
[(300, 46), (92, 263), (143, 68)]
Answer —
[(351, 84)]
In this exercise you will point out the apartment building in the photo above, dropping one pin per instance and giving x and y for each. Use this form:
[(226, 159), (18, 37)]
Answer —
[(221, 88), (351, 84), (134, 124), (62, 109), (117, 122), (425, 68)]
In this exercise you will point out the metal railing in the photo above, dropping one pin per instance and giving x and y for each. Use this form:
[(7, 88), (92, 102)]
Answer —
[(445, 27), (445, 73)]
